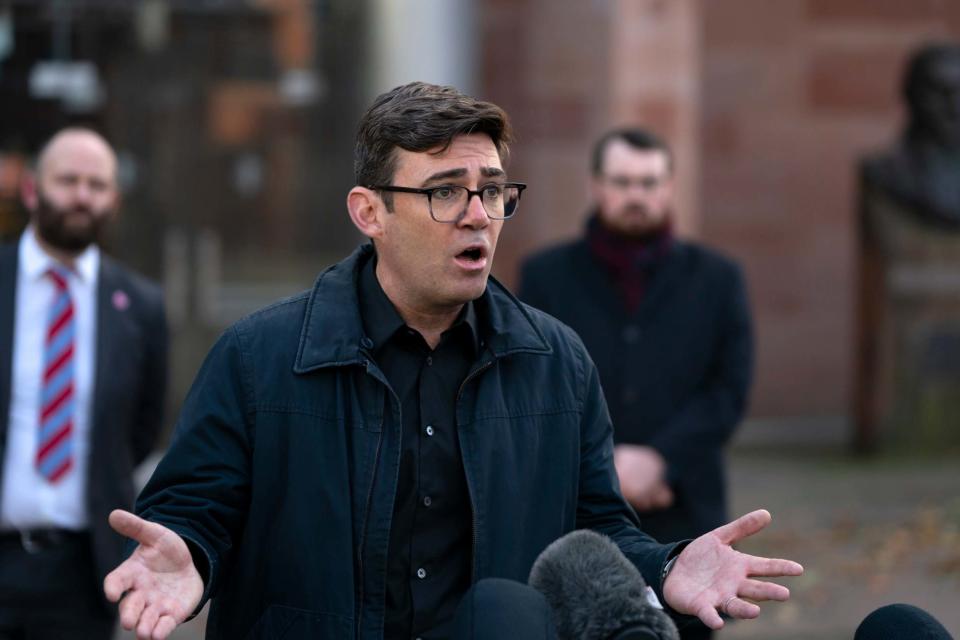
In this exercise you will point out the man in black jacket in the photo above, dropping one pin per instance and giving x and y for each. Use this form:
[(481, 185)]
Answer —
[(668, 325), (351, 460)]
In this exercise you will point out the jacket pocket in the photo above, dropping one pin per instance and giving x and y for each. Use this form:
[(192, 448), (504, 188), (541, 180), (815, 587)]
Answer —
[(286, 623)]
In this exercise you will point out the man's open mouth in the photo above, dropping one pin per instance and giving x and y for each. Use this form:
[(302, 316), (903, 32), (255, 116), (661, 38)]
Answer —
[(473, 254)]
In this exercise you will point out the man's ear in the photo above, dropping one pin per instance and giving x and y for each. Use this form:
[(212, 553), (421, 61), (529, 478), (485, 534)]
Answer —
[(28, 191), (596, 186), (116, 205), (669, 186), (366, 209)]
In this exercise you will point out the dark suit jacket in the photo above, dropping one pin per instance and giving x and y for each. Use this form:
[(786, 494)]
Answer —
[(675, 373), (129, 390)]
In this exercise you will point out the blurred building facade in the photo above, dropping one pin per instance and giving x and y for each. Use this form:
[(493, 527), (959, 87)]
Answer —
[(231, 120), (235, 119), (769, 105)]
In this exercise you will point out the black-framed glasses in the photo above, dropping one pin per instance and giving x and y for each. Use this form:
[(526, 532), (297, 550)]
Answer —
[(449, 202), (623, 183)]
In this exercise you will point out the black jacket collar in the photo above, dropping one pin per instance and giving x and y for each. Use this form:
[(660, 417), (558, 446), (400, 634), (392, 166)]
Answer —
[(332, 331)]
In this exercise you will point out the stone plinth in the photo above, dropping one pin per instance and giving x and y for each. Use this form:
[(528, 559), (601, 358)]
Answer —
[(908, 362)]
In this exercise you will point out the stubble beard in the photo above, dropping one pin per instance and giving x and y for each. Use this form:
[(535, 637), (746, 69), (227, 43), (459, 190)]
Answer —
[(647, 227)]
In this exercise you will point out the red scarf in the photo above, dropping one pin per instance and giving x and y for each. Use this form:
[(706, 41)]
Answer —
[(629, 261)]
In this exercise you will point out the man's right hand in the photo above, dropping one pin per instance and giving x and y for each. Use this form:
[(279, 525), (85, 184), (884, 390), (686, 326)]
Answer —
[(641, 471), (158, 583)]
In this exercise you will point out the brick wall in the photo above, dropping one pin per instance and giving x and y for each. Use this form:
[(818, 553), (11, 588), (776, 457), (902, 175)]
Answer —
[(794, 92), (768, 105)]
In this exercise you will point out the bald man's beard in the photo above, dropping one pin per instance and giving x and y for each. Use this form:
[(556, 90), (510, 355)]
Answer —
[(68, 229)]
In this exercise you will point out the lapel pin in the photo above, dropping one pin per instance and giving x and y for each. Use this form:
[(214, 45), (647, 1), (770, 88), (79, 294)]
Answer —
[(121, 301)]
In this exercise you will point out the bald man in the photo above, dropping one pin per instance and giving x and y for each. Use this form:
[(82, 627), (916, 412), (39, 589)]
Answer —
[(83, 368)]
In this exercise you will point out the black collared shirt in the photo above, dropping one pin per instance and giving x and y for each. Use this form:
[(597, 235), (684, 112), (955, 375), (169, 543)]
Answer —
[(431, 538)]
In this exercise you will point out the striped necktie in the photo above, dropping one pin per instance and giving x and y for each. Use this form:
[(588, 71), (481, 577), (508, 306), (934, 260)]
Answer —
[(55, 441)]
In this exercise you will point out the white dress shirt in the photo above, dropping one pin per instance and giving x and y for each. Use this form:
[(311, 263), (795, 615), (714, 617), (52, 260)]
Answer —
[(28, 500)]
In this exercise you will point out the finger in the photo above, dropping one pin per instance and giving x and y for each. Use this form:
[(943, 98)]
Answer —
[(759, 590), (165, 626), (708, 615), (740, 608), (132, 526), (147, 622), (772, 567), (629, 492), (116, 582), (743, 526), (130, 609), (663, 496)]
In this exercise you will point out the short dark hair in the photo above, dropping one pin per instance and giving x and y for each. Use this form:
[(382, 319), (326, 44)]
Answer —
[(637, 138), (418, 117)]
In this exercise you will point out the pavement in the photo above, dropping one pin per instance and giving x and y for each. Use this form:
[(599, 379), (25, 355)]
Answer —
[(869, 531)]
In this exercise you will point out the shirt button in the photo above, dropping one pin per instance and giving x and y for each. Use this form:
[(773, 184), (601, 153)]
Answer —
[(427, 501), (429, 430), (429, 361), (421, 573)]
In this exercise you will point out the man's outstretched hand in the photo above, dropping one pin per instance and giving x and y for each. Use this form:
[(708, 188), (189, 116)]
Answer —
[(158, 583), (710, 577)]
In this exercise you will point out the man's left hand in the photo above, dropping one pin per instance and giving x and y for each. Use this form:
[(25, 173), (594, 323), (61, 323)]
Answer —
[(710, 577)]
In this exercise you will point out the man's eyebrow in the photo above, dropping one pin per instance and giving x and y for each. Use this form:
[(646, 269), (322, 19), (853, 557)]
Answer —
[(487, 172), (443, 175)]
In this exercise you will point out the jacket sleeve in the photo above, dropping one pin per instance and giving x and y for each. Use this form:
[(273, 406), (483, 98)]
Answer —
[(153, 390), (201, 487), (712, 413), (600, 506)]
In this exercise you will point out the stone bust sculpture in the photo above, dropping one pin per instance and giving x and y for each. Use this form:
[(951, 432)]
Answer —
[(922, 172)]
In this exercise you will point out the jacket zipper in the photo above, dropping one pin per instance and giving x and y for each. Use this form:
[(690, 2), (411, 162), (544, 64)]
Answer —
[(473, 507)]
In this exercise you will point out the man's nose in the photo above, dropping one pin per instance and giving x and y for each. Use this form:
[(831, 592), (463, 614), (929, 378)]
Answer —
[(475, 215), (82, 193), (640, 188)]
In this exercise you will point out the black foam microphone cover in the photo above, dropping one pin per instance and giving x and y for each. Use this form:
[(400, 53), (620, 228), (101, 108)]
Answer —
[(898, 621), (596, 593)]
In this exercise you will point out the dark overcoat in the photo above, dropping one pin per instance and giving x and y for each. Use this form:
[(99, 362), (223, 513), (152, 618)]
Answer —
[(675, 372)]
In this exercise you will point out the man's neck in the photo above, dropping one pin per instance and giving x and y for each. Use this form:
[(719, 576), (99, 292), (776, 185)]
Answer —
[(428, 322), (430, 325)]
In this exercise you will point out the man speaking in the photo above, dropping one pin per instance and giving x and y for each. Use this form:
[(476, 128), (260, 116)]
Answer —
[(350, 462)]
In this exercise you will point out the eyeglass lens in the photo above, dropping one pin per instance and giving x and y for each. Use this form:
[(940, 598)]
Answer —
[(449, 203)]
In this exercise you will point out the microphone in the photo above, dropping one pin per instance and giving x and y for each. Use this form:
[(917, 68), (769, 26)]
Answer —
[(901, 621), (596, 593)]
